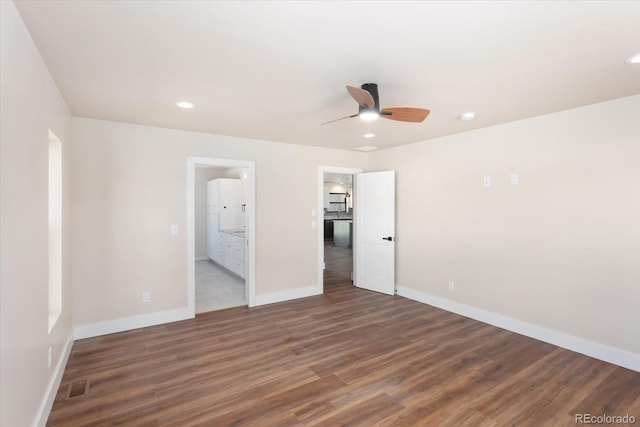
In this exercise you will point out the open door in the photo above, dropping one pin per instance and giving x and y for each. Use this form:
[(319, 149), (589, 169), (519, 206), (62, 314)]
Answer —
[(375, 231)]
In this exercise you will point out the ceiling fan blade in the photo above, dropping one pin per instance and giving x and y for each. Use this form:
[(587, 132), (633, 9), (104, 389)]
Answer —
[(361, 96), (405, 114), (341, 118)]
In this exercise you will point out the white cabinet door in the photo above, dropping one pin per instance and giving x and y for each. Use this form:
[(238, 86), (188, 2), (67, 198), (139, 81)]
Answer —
[(221, 248), (237, 259), (230, 204), (213, 189)]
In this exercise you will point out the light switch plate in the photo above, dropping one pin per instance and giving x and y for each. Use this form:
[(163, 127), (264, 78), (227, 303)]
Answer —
[(174, 229), (515, 180)]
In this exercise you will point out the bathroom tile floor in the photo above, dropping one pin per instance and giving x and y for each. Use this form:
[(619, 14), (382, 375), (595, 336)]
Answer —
[(217, 288)]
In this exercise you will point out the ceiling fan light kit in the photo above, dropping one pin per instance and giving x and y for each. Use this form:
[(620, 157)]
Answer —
[(368, 115), (369, 107)]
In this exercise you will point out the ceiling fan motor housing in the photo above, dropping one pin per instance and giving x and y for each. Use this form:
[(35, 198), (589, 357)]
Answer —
[(372, 88), (369, 107)]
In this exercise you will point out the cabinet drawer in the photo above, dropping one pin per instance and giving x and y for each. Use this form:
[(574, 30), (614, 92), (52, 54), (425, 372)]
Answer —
[(238, 248)]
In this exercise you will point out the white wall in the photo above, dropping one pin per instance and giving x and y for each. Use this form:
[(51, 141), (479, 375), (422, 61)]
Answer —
[(30, 105), (561, 250), (129, 187)]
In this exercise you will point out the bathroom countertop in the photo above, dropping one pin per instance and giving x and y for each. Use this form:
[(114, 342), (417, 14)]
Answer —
[(240, 232)]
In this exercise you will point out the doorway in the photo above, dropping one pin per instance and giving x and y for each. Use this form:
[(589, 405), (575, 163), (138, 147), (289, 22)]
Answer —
[(338, 230), (336, 226), (220, 229), (223, 278)]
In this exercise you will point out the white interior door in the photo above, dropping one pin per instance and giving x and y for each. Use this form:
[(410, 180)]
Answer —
[(375, 231)]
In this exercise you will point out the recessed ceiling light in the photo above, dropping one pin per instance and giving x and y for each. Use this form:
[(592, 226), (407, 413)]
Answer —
[(635, 59), (369, 135), (184, 104), (366, 148), (469, 115)]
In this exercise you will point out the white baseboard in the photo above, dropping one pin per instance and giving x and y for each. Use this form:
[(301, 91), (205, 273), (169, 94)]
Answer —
[(202, 258), (593, 349), (52, 389), (142, 321), (274, 297), (129, 323)]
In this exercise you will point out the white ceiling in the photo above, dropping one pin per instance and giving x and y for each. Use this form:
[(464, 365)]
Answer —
[(277, 70), (337, 178)]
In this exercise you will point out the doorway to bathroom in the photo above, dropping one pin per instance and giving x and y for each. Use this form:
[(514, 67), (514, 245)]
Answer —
[(221, 256)]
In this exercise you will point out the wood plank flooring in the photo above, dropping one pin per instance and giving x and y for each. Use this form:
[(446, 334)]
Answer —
[(348, 357)]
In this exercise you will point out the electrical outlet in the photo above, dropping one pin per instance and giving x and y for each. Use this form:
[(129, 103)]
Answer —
[(146, 297), (174, 229), (486, 181), (514, 179), (452, 286)]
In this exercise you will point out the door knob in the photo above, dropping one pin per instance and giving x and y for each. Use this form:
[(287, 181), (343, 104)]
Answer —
[(388, 238)]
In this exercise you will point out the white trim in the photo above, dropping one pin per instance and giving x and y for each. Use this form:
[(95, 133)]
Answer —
[(281, 296), (590, 348), (202, 258), (320, 214), (42, 415), (191, 237), (129, 323), (250, 278)]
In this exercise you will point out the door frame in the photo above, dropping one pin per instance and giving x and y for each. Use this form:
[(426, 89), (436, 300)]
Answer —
[(250, 235), (320, 216)]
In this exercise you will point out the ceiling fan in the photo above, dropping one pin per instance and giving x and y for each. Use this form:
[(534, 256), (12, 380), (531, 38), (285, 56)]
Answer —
[(369, 107)]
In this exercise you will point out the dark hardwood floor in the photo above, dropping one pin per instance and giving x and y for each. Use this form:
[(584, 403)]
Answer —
[(348, 357)]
